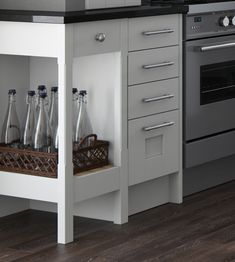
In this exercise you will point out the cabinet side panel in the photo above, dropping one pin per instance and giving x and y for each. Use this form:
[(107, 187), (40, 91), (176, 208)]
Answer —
[(14, 74), (43, 71)]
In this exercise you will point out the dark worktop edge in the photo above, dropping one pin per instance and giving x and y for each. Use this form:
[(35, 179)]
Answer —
[(89, 15)]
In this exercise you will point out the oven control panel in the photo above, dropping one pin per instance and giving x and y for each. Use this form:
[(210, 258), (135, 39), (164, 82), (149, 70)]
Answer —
[(210, 24)]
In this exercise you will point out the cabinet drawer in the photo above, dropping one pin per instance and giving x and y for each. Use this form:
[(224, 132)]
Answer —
[(97, 37), (153, 147), (154, 64), (151, 32), (152, 98)]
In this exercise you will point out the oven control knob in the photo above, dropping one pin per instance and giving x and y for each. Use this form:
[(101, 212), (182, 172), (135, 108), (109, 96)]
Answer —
[(232, 20), (224, 21)]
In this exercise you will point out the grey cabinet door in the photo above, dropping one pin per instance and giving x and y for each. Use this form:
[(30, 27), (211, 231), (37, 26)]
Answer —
[(153, 147)]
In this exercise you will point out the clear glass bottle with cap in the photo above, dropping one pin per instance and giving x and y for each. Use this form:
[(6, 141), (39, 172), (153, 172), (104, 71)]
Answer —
[(29, 123), (83, 124), (41, 89), (11, 125), (53, 111), (43, 135)]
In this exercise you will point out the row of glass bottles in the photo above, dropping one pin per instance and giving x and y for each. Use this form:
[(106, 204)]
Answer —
[(40, 128)]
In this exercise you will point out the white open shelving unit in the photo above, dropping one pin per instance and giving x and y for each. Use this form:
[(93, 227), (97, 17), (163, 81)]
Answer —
[(36, 49)]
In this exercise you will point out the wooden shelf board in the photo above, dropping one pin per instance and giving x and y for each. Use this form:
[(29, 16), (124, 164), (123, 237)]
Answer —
[(92, 171)]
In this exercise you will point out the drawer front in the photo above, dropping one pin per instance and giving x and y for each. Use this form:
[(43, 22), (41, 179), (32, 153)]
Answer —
[(151, 65), (151, 32), (97, 37), (153, 147), (152, 98)]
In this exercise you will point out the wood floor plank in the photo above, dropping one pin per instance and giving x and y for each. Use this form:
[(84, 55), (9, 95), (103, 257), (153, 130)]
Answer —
[(202, 229)]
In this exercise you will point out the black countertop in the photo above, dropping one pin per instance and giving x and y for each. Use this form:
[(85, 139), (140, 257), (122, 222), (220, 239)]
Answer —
[(91, 15)]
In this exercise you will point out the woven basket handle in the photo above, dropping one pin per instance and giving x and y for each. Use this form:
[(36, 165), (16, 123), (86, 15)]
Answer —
[(85, 139)]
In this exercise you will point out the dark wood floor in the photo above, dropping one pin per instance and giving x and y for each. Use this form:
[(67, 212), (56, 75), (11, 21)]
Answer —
[(202, 229)]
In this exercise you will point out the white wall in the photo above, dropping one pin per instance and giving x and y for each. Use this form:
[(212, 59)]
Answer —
[(14, 74)]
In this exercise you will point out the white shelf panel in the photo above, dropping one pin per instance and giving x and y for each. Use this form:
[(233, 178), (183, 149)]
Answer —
[(33, 39), (96, 183), (27, 186)]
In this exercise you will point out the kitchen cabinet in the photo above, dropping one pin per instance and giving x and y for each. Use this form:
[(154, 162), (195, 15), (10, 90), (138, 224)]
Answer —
[(65, 5), (103, 58), (154, 79)]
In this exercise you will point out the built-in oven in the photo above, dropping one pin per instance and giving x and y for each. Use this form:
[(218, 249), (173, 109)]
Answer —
[(209, 87), (210, 82)]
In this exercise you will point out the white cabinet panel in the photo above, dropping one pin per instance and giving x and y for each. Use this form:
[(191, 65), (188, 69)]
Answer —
[(153, 147)]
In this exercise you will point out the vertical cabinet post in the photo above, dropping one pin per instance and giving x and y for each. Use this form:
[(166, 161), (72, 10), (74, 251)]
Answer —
[(121, 196), (65, 166)]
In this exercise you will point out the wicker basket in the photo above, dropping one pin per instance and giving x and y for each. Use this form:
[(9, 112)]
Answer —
[(45, 164), (90, 157)]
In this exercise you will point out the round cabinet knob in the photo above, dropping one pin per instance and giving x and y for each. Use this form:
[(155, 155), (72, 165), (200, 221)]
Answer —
[(224, 21), (232, 20), (100, 37)]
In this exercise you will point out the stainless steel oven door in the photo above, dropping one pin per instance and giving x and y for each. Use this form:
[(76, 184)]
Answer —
[(209, 90)]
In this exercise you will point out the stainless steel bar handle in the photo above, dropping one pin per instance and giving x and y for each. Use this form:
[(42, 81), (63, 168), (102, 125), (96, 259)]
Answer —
[(150, 128), (158, 65), (158, 32), (216, 47), (157, 98)]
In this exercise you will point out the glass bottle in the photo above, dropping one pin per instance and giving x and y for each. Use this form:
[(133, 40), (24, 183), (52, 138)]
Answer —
[(83, 125), (41, 89), (75, 110), (29, 123), (53, 111), (75, 114), (11, 126), (43, 135), (56, 143)]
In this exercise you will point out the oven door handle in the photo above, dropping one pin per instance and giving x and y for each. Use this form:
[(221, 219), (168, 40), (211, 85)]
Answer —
[(215, 47)]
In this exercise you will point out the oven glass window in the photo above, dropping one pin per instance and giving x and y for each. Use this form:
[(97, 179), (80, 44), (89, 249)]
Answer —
[(217, 82)]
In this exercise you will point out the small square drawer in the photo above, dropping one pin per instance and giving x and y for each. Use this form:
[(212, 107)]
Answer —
[(153, 147), (154, 64), (97, 37), (152, 32), (152, 98)]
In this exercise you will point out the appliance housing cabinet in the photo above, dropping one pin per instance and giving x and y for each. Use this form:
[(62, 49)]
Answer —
[(64, 5)]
